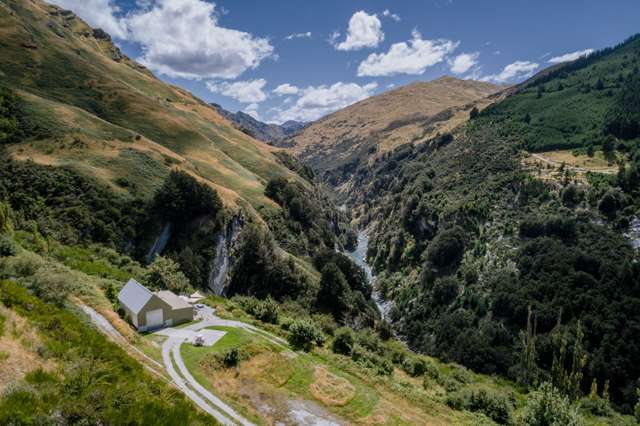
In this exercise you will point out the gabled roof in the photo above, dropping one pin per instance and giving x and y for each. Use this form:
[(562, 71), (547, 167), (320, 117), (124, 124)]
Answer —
[(134, 296), (172, 300)]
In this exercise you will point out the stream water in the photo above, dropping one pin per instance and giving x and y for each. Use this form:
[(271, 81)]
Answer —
[(359, 256)]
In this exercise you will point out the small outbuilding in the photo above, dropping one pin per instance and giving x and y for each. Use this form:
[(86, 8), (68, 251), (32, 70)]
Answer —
[(148, 310)]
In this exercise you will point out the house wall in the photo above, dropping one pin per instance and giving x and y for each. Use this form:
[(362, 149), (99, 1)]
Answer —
[(154, 303), (170, 316), (180, 315)]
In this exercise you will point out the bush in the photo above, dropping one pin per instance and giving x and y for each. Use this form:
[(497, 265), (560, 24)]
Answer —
[(304, 334), (447, 247), (343, 342), (165, 274), (548, 407), (231, 357), (267, 310), (497, 407), (415, 366), (636, 408), (7, 246)]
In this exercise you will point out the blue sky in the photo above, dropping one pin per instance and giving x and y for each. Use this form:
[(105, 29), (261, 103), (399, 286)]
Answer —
[(292, 59)]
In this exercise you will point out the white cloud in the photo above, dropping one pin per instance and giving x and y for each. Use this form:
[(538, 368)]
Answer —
[(317, 101), (464, 62), (249, 91), (286, 89), (570, 56), (298, 35), (412, 57), (252, 110), (182, 38), (516, 70), (387, 13), (364, 31), (98, 14)]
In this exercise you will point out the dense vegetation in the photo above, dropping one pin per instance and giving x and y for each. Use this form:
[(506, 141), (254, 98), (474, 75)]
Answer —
[(98, 384), (308, 220), (575, 106), (465, 241), (66, 206)]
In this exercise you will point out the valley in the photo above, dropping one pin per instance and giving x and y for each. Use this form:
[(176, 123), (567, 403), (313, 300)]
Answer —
[(457, 251)]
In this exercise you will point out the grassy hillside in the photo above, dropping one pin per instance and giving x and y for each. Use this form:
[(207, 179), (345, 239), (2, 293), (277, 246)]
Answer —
[(568, 106), (108, 117), (337, 144), (466, 236)]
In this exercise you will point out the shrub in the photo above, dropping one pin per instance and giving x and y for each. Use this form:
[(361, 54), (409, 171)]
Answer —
[(447, 247), (231, 357), (343, 342), (415, 366), (7, 246), (165, 274), (267, 310), (548, 407), (462, 375), (304, 334), (497, 407), (636, 408)]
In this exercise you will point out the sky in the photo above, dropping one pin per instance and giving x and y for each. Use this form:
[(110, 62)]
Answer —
[(282, 60)]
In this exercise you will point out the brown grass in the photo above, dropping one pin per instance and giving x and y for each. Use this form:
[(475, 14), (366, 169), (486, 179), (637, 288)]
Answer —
[(18, 349), (330, 389)]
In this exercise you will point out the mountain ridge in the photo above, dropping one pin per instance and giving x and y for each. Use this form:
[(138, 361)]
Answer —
[(378, 124), (270, 133)]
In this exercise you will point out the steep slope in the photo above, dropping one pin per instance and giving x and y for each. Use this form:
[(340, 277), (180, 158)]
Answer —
[(338, 143), (108, 117), (466, 237), (272, 134)]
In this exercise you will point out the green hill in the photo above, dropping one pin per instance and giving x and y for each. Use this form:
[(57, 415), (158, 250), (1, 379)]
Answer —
[(467, 234), (106, 116)]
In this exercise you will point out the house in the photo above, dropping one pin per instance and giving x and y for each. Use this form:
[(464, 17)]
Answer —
[(148, 310)]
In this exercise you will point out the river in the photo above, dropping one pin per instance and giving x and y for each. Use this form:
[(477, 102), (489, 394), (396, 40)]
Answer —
[(359, 256)]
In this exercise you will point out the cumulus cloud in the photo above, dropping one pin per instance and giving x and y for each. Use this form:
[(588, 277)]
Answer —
[(464, 62), (298, 35), (98, 14), (570, 56), (252, 110), (249, 91), (316, 101), (387, 14), (182, 38), (286, 89), (412, 57), (514, 71), (364, 31)]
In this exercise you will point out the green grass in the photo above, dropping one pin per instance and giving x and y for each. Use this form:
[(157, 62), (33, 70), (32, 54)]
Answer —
[(570, 112)]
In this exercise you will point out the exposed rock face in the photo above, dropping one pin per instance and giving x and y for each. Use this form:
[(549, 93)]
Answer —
[(222, 262), (159, 244)]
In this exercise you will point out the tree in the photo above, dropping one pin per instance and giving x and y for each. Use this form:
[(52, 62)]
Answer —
[(343, 341), (548, 407), (568, 381), (473, 113), (334, 291), (447, 247), (303, 334), (599, 84), (5, 218), (528, 367), (165, 274)]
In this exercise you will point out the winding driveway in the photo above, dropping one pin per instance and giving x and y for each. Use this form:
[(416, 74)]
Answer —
[(172, 358)]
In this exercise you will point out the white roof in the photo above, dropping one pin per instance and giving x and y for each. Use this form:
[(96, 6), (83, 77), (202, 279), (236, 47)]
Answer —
[(134, 296), (172, 300)]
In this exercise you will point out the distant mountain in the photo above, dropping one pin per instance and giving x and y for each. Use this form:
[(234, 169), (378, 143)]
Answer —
[(349, 137), (270, 133)]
